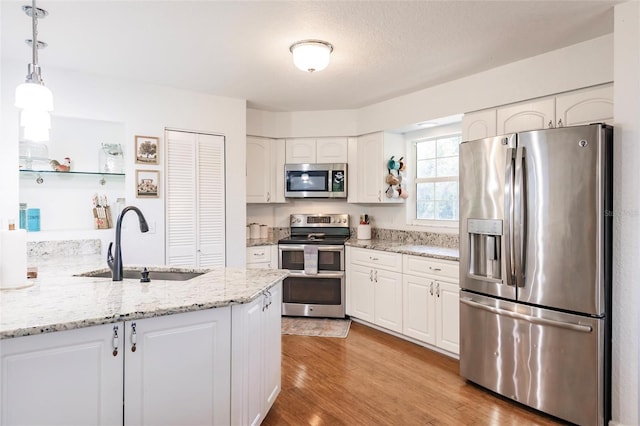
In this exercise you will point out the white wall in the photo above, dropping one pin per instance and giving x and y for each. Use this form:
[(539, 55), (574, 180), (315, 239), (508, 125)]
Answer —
[(626, 236), (562, 70), (145, 110)]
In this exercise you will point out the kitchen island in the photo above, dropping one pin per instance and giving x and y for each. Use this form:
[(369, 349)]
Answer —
[(72, 347)]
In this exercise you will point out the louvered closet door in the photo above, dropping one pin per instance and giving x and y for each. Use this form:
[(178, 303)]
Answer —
[(195, 213), (211, 201)]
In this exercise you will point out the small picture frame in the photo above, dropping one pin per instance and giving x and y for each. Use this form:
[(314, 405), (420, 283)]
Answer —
[(147, 183), (147, 150)]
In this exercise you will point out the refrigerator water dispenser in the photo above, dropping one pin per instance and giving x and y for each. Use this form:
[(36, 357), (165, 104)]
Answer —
[(485, 238)]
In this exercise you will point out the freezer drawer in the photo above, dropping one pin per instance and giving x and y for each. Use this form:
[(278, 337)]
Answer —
[(548, 360)]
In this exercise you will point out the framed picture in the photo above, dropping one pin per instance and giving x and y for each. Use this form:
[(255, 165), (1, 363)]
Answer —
[(147, 183), (147, 150)]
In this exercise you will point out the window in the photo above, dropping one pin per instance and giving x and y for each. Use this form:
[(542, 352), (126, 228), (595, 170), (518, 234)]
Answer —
[(436, 179)]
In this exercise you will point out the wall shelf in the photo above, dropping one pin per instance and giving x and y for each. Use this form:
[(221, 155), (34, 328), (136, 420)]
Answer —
[(40, 174)]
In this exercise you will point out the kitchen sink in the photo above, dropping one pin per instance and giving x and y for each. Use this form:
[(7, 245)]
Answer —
[(153, 275)]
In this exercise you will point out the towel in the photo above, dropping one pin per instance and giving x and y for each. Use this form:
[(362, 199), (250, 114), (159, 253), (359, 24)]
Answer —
[(311, 260)]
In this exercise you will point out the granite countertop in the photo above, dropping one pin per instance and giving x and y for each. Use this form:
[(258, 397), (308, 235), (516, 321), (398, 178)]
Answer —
[(434, 252), (256, 242), (58, 300)]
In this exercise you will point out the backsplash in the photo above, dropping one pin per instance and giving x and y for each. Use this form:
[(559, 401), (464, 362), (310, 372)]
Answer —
[(414, 237), (63, 247), (409, 237)]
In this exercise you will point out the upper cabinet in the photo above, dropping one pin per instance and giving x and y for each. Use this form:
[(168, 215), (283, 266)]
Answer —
[(265, 170), (316, 150), (372, 152), (587, 106), (591, 105), (479, 124), (525, 116)]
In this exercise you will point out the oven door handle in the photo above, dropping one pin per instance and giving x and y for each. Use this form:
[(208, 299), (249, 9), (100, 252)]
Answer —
[(337, 274), (300, 247)]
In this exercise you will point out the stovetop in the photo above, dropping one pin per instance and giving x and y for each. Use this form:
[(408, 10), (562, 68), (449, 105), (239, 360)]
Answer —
[(318, 229), (328, 240)]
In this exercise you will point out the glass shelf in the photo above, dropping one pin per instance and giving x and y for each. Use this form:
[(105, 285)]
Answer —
[(38, 174), (72, 172)]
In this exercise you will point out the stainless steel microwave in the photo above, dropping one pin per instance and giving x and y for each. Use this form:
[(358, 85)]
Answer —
[(315, 180)]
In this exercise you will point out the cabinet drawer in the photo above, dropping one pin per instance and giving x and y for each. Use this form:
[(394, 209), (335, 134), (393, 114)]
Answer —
[(424, 266), (258, 254), (377, 259)]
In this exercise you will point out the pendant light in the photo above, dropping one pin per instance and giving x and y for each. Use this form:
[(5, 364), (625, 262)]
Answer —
[(311, 55), (33, 97)]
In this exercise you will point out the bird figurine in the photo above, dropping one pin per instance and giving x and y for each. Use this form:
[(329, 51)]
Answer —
[(64, 167)]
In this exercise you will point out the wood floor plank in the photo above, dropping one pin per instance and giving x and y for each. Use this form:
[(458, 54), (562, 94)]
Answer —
[(373, 378)]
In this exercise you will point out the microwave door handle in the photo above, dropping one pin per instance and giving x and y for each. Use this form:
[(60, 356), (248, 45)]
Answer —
[(508, 214), (519, 217)]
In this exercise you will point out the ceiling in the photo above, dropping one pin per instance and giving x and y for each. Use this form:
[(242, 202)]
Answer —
[(240, 49)]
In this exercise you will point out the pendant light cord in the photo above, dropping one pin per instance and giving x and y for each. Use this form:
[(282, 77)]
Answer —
[(34, 25)]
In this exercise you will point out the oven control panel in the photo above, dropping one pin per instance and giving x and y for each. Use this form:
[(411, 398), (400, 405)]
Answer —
[(316, 220)]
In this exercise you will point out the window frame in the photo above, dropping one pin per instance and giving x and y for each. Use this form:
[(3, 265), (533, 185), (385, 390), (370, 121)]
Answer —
[(412, 213)]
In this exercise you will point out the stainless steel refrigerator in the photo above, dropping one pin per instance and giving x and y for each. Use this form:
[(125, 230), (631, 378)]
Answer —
[(535, 268)]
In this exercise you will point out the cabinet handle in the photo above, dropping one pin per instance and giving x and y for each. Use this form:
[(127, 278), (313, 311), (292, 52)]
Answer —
[(438, 289), (551, 124), (134, 337), (375, 276), (269, 298), (373, 258), (435, 269), (371, 275), (431, 288), (114, 342), (268, 196), (379, 195), (560, 123)]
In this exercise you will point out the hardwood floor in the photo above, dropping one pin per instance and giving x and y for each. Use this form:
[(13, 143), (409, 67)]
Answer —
[(372, 378)]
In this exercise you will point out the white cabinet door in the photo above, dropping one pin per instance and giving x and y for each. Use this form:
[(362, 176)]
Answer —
[(371, 168), (362, 292), (273, 347), (587, 106), (301, 150), (388, 299), (256, 366), (479, 124), (419, 308), (195, 206), (331, 150), (178, 371), (63, 378), (531, 115), (373, 152), (265, 170), (258, 170), (447, 316)]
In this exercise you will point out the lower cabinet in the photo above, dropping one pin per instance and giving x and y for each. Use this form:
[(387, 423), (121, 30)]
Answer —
[(177, 369), (415, 296), (256, 364), (262, 257), (431, 302), (170, 370), (374, 289), (63, 378)]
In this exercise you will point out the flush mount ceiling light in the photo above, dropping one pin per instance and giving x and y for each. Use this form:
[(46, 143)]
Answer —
[(311, 55), (32, 97)]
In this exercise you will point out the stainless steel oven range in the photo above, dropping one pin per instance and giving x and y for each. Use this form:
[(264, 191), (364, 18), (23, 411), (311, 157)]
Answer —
[(314, 255)]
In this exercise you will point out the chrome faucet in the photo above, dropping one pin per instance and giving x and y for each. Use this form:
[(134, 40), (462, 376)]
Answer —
[(115, 263)]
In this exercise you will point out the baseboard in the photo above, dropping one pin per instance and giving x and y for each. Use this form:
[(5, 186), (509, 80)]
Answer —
[(407, 338)]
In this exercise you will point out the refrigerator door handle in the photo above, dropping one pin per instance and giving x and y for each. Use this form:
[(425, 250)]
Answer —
[(519, 218), (534, 320), (508, 214)]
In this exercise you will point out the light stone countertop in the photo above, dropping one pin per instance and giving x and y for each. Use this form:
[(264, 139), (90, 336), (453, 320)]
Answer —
[(434, 252), (58, 300)]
